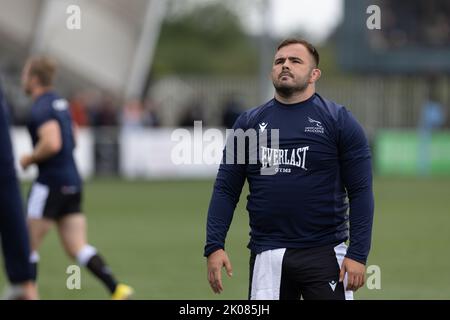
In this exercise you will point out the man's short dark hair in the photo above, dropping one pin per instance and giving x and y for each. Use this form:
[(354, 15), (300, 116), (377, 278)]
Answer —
[(303, 42)]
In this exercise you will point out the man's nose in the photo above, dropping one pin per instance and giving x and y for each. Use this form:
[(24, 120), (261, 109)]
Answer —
[(285, 65)]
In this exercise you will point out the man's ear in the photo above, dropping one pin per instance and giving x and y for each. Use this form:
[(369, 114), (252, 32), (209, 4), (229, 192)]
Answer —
[(315, 75), (33, 80)]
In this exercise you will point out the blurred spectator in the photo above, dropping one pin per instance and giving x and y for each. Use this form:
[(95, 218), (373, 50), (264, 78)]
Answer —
[(78, 110), (231, 111), (92, 99), (98, 108), (107, 112), (193, 112), (150, 116), (132, 115), (432, 117)]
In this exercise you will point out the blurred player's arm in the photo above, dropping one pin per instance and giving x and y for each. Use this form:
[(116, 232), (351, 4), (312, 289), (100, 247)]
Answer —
[(49, 144), (227, 189), (356, 172), (13, 231)]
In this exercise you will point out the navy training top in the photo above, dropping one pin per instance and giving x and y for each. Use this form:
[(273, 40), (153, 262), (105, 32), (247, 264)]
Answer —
[(322, 157)]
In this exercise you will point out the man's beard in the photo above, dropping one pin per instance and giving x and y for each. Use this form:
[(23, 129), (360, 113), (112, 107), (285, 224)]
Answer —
[(287, 91)]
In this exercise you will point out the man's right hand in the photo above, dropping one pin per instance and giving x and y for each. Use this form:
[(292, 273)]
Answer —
[(216, 261), (26, 161)]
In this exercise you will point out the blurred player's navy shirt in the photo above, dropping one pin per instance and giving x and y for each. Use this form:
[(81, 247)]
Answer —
[(59, 170), (323, 156)]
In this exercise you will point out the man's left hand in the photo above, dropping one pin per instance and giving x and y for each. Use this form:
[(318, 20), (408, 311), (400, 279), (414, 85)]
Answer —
[(355, 274)]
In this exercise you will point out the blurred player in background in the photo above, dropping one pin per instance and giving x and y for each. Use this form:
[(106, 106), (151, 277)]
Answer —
[(56, 195), (432, 118), (298, 216), (13, 230)]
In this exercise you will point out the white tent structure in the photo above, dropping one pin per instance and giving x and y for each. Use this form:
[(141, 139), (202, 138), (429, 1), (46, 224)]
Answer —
[(113, 48)]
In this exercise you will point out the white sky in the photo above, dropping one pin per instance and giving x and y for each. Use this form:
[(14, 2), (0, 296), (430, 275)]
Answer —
[(317, 18)]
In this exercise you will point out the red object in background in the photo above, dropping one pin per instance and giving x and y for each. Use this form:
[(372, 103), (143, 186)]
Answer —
[(78, 111)]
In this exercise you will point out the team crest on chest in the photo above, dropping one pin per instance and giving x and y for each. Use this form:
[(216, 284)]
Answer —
[(315, 127)]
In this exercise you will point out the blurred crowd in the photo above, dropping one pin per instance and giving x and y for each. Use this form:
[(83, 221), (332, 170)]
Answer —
[(411, 23), (94, 109), (195, 109)]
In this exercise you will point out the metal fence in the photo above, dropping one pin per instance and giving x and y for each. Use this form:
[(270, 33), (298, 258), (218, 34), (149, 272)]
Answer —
[(376, 101)]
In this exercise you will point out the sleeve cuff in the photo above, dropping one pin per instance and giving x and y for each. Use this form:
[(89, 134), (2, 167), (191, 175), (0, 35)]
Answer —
[(212, 248), (357, 258)]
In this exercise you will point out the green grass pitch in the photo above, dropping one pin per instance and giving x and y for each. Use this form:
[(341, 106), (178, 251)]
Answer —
[(152, 235)]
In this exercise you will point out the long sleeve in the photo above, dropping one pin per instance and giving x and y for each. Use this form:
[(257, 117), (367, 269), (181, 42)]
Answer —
[(13, 232), (356, 173), (227, 189)]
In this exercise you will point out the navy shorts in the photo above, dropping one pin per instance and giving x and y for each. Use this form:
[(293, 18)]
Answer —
[(53, 203), (294, 274)]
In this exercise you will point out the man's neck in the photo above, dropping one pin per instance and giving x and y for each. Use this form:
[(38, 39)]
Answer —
[(39, 91), (296, 97)]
